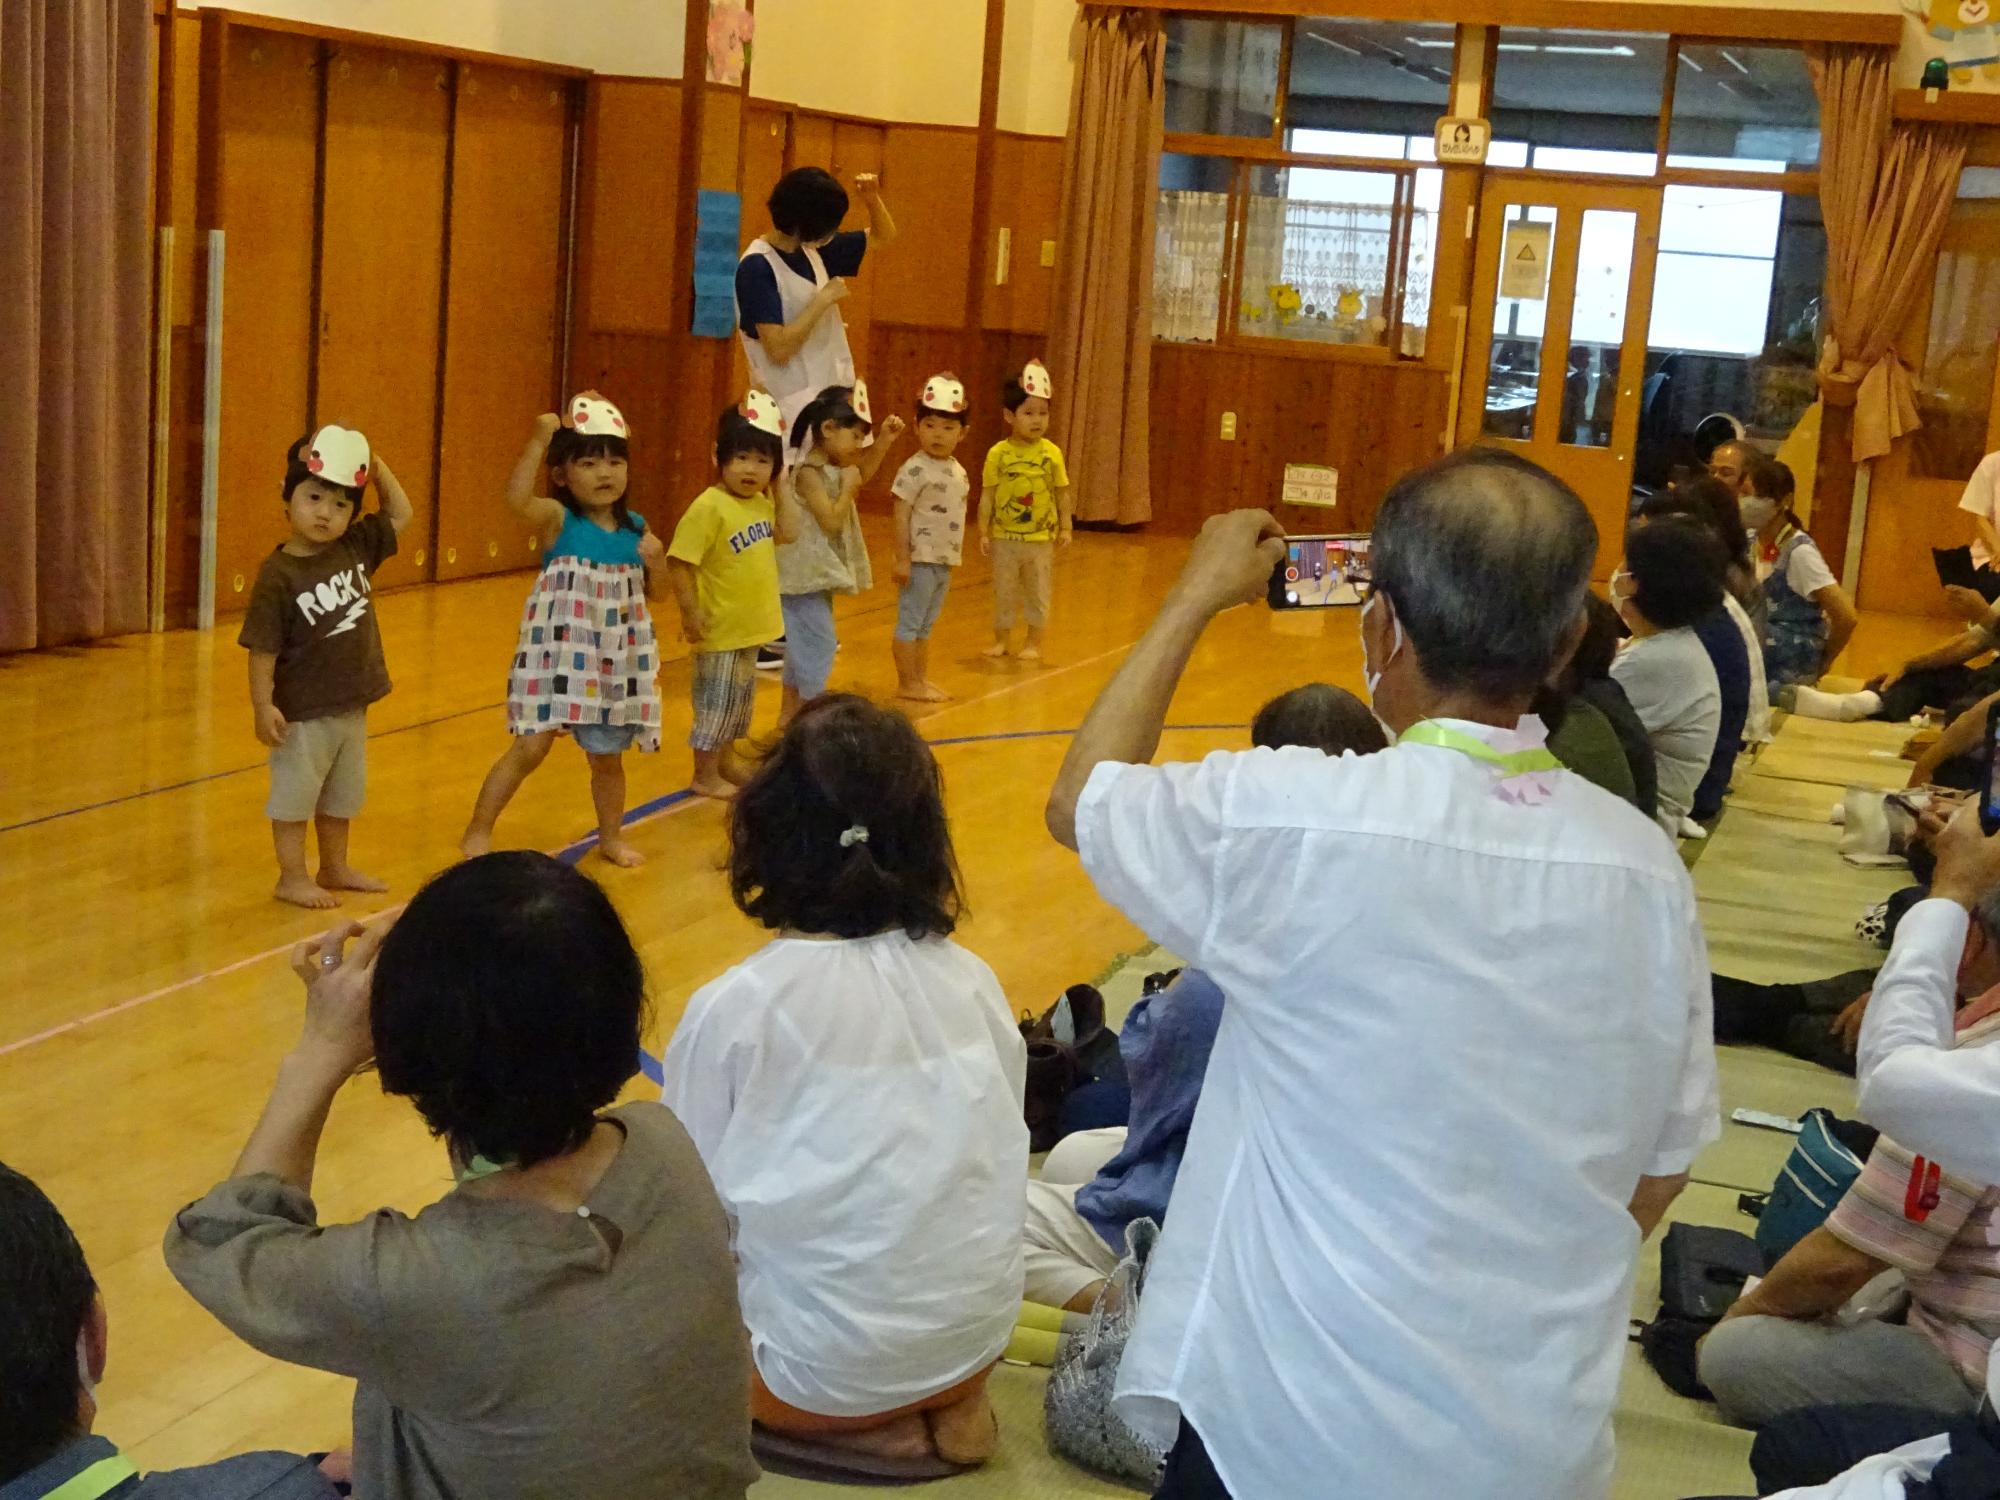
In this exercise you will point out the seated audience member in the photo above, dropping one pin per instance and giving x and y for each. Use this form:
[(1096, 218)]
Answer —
[(1943, 678), (1582, 705), (54, 1341), (1978, 501), (855, 1089), (563, 1321), (1714, 504), (1811, 616), (1415, 946), (1671, 578), (1939, 1100), (1094, 1184), (1957, 757)]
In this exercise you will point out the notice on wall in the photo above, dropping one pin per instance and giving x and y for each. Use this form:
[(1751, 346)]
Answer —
[(1310, 484), (1524, 262), (1462, 141)]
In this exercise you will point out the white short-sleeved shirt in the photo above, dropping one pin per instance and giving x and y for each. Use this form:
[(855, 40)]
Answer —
[(1806, 572), (858, 1105), (936, 489), (1673, 689), (1460, 1029), (1979, 499)]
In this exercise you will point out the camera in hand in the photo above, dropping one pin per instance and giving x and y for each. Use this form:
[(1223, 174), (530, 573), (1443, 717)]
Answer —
[(1320, 572)]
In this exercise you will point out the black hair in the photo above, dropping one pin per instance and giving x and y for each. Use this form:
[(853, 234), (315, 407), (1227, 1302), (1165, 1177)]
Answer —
[(834, 404), (1485, 558), (296, 473), (735, 433), (508, 1004), (950, 416), (1013, 395), (1676, 570), (1714, 504), (1321, 717), (845, 768), (566, 447), (1598, 648), (1771, 480), (808, 202), (45, 1294)]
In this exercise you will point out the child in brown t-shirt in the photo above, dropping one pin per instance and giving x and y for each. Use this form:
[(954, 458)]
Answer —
[(316, 656)]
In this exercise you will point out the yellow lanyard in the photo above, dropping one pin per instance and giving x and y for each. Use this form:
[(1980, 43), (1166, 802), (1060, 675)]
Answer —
[(100, 1478), (1513, 762)]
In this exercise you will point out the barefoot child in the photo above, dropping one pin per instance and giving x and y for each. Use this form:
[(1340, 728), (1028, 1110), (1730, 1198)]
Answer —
[(821, 551), (930, 490), (723, 566), (316, 656), (586, 664), (1024, 510)]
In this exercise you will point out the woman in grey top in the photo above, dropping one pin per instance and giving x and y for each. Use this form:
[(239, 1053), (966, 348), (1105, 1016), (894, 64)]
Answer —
[(564, 1321)]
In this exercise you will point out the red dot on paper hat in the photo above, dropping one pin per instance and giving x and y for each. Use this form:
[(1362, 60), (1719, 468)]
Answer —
[(315, 463), (361, 474), (617, 420)]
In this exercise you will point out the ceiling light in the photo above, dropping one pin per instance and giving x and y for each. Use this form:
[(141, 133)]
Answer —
[(1730, 58), (1327, 41)]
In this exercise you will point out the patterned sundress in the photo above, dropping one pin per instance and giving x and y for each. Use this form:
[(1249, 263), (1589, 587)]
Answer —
[(586, 653)]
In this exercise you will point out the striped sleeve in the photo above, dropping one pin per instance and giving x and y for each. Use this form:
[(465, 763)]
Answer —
[(1885, 1215)]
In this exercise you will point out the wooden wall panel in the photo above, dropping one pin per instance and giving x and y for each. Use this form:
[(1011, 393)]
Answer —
[(927, 178), (633, 192), (637, 371), (183, 529), (504, 306), (857, 148), (812, 142), (1371, 422), (1027, 202), (721, 126), (1907, 516), (268, 147), (187, 105), (388, 120)]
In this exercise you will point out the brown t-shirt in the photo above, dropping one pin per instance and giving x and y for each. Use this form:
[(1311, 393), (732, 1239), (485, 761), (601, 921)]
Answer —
[(317, 616)]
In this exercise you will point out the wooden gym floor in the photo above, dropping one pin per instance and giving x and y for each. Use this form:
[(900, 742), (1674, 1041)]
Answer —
[(144, 995)]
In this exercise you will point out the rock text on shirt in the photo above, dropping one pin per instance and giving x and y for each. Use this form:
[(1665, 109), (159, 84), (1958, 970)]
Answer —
[(348, 589)]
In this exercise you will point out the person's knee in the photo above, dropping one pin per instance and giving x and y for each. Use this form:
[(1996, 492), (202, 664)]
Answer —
[(606, 765), (532, 749), (1736, 1363)]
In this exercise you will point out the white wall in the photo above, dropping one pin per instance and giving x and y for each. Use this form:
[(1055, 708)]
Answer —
[(640, 37), (1037, 64), (916, 61)]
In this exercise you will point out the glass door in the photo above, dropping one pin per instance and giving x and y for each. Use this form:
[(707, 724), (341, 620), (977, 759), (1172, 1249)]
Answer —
[(1555, 356)]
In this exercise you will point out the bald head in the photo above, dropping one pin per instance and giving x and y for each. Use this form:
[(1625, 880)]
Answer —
[(1729, 463), (1485, 558)]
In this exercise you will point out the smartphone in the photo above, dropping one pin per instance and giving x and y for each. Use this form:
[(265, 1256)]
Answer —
[(1318, 572), (1989, 792)]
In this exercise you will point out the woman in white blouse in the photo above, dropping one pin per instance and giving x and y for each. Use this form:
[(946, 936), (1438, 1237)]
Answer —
[(854, 1088), (1671, 577)]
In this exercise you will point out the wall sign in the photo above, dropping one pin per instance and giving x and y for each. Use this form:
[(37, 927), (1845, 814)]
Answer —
[(1524, 262), (1462, 142), (1310, 484)]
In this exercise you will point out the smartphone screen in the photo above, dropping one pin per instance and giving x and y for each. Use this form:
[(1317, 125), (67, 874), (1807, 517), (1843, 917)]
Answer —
[(1989, 795), (1321, 571)]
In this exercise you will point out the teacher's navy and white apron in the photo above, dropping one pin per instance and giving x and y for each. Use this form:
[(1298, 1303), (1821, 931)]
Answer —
[(823, 360)]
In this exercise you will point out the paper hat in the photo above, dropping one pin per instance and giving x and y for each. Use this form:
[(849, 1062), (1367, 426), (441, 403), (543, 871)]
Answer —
[(760, 410), (339, 455), (593, 416), (943, 393), (1035, 380), (859, 401)]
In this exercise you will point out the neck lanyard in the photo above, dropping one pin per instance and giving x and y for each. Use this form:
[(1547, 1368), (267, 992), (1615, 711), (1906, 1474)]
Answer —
[(1513, 762), (480, 1167), (101, 1478)]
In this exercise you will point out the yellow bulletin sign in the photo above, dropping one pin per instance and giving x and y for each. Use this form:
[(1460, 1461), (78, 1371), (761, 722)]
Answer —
[(1524, 262)]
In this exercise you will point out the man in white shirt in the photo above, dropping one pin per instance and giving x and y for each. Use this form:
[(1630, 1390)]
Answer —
[(1466, 1061), (1978, 502)]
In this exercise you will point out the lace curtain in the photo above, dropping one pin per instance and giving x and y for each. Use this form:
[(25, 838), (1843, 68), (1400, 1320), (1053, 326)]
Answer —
[(1191, 236)]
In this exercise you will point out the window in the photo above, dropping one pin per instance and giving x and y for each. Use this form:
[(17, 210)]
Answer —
[(1365, 77), (1742, 109), (1222, 76), (1318, 249), (1955, 385), (1712, 288), (1580, 101), (1190, 244)]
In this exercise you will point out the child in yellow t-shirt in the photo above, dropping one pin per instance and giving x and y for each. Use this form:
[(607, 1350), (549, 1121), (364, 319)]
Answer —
[(1024, 512), (723, 565)]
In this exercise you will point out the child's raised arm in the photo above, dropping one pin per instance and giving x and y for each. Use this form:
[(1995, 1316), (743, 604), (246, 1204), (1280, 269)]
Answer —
[(537, 510), (811, 490), (986, 520), (395, 504), (873, 456)]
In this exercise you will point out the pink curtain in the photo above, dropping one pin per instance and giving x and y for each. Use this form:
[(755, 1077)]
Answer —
[(75, 151), (1100, 353), (1886, 192)]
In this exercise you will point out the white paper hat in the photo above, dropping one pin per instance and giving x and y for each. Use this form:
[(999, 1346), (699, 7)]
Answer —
[(1035, 380), (760, 410), (593, 416), (339, 455), (943, 393), (859, 401)]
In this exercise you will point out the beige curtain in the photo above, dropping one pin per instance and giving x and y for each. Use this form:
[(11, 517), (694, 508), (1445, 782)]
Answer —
[(1100, 352), (1886, 192), (75, 148)]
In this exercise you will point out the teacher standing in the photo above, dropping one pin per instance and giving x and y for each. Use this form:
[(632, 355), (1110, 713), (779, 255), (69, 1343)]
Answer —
[(791, 281)]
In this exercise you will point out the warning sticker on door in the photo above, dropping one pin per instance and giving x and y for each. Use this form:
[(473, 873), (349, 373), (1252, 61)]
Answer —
[(1524, 262)]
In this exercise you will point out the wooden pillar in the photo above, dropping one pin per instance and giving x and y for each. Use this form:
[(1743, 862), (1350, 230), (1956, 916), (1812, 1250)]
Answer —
[(1833, 481)]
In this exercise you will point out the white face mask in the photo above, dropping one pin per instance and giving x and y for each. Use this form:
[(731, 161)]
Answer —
[(1756, 511), (1369, 675)]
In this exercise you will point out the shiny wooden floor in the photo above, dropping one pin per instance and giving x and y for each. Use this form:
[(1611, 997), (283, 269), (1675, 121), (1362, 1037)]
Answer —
[(144, 997)]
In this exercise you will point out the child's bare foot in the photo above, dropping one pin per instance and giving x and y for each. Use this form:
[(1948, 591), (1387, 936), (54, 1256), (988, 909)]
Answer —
[(1031, 653), (345, 879), (301, 891), (997, 649), (720, 789), (475, 844), (937, 694), (922, 692), (966, 1432), (618, 852)]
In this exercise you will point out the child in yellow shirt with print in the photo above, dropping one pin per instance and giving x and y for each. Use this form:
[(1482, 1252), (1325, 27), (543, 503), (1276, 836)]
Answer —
[(724, 568), (1024, 512)]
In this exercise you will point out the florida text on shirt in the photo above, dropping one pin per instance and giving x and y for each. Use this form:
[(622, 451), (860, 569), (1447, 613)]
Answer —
[(750, 536)]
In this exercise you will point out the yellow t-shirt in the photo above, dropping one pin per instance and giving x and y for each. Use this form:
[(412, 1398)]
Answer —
[(730, 544), (1024, 478)]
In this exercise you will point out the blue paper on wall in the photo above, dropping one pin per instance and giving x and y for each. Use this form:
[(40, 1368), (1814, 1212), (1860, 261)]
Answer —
[(717, 234)]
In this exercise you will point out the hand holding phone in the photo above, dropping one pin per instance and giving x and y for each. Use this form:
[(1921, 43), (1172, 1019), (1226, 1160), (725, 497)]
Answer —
[(1321, 571)]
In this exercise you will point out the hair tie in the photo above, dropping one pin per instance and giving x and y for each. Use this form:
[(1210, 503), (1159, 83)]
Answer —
[(858, 834)]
